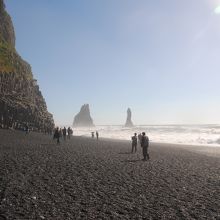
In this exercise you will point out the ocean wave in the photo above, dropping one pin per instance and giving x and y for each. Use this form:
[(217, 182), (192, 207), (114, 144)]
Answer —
[(180, 134)]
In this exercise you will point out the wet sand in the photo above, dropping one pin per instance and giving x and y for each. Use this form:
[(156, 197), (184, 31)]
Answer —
[(83, 178)]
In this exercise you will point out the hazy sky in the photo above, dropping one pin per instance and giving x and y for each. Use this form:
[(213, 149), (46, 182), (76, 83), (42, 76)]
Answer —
[(160, 58)]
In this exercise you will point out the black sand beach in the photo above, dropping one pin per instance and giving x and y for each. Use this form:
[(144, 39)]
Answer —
[(88, 179)]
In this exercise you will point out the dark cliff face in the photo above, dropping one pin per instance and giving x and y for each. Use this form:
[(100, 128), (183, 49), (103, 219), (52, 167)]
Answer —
[(83, 118), (21, 101)]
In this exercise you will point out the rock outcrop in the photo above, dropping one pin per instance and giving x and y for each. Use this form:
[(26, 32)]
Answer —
[(21, 101), (128, 120), (83, 118), (7, 33)]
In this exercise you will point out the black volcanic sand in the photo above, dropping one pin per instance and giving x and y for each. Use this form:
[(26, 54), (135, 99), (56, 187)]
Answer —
[(88, 179)]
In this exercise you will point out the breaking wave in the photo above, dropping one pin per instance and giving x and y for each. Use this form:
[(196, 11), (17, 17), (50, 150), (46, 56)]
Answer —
[(178, 134)]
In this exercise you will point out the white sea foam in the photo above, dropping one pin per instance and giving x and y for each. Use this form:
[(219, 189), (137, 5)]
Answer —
[(178, 134)]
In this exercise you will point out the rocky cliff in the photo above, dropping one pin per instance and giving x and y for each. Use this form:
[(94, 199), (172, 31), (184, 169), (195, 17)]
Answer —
[(83, 118), (21, 101), (128, 122), (6, 27)]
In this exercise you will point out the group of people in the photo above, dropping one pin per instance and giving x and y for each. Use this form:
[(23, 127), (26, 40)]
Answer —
[(141, 138), (95, 134), (144, 143), (62, 133)]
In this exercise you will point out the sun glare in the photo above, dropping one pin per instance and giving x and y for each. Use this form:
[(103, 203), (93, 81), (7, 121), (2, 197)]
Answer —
[(217, 10)]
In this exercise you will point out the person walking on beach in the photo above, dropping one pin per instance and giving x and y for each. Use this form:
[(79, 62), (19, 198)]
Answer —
[(145, 145), (92, 133), (60, 132), (139, 138), (57, 135), (64, 133), (97, 135), (69, 132), (134, 143)]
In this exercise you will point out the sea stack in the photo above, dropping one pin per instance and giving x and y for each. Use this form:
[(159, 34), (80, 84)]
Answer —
[(83, 118), (128, 121), (21, 101)]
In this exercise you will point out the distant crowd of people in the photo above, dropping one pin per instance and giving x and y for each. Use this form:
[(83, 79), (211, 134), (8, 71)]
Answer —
[(66, 133), (62, 133), (95, 134), (141, 138), (144, 143), (28, 128)]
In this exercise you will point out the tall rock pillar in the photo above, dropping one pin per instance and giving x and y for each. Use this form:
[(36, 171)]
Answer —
[(128, 120), (83, 118)]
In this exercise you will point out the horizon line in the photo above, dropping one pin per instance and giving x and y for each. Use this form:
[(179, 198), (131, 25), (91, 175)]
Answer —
[(163, 124)]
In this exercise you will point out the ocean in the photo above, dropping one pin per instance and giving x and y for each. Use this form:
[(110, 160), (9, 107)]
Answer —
[(178, 134)]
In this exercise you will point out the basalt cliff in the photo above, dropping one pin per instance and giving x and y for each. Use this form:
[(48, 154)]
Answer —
[(21, 101), (83, 118)]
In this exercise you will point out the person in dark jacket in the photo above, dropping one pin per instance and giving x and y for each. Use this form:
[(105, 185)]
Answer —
[(57, 135), (92, 133), (64, 133), (145, 145), (61, 133), (97, 135), (69, 132), (134, 143)]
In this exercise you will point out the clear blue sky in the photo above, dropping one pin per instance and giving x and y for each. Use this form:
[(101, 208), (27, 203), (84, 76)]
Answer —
[(160, 58)]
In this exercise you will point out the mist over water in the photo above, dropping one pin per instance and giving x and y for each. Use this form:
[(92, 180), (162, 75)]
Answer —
[(177, 134)]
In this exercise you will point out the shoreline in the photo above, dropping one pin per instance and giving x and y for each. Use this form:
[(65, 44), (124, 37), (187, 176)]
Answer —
[(213, 151), (173, 143), (197, 135)]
